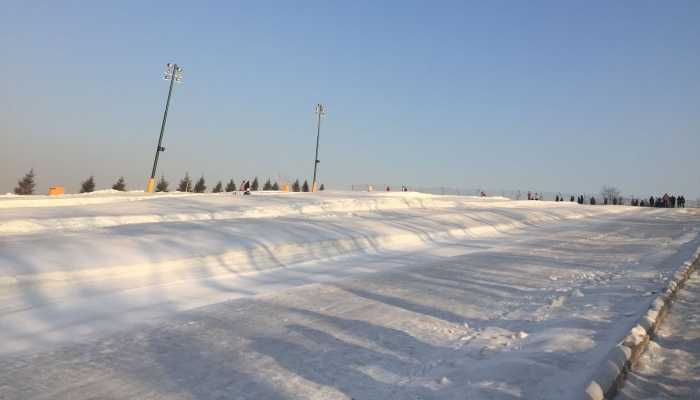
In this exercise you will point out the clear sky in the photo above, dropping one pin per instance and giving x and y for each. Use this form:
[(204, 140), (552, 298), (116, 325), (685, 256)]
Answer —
[(556, 96)]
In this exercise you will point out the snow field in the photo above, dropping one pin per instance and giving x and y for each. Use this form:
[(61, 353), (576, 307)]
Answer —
[(440, 298), (328, 229)]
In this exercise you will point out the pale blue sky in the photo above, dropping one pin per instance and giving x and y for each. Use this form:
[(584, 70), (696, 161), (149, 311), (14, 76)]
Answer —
[(552, 95)]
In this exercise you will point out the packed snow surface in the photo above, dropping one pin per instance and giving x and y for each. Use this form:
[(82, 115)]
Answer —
[(670, 366), (335, 295)]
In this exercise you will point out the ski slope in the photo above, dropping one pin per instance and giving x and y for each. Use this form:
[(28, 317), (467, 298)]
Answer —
[(321, 296)]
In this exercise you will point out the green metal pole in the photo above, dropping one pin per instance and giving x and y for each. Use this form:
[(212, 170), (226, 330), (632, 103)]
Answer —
[(318, 136), (162, 126)]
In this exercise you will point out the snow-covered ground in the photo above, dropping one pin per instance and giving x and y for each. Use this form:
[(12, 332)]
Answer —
[(321, 296), (670, 366)]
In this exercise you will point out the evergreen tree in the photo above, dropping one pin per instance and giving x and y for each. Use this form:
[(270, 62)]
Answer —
[(267, 185), (200, 187), (230, 186), (185, 184), (275, 186), (120, 185), (305, 186), (322, 188), (254, 186), (592, 201), (218, 188), (295, 186), (26, 184), (162, 185), (87, 185)]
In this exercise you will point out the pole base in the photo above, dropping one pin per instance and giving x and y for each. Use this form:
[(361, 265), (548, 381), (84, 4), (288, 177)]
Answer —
[(151, 184)]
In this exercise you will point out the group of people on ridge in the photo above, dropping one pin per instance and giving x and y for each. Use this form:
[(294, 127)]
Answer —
[(535, 196), (665, 201)]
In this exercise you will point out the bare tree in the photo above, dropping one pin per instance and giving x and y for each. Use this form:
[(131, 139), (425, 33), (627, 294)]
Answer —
[(610, 194)]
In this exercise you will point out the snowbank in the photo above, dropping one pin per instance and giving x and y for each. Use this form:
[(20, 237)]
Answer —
[(228, 207)]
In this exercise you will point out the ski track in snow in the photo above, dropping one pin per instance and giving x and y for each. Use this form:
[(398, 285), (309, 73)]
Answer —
[(321, 296)]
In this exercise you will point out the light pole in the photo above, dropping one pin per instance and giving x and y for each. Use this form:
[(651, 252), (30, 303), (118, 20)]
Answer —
[(320, 110), (173, 73)]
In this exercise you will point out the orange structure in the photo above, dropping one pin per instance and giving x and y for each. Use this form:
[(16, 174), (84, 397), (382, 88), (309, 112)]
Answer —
[(56, 190)]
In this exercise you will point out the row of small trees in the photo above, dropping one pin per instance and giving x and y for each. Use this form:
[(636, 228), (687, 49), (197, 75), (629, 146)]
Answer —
[(200, 186), (25, 186)]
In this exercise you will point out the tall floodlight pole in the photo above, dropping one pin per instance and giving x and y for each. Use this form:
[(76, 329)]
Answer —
[(320, 110), (173, 73)]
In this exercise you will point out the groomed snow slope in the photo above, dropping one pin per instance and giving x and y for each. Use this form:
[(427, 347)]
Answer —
[(332, 295)]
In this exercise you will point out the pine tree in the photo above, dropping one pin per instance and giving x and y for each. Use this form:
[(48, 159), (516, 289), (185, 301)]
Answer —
[(120, 185), (254, 186), (275, 186), (88, 185), (322, 188), (295, 186), (267, 185), (162, 185), (218, 188), (231, 186), (200, 187), (185, 184), (305, 186), (592, 201), (26, 185)]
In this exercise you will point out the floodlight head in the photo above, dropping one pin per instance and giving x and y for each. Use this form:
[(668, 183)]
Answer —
[(178, 74), (320, 109), (173, 71)]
